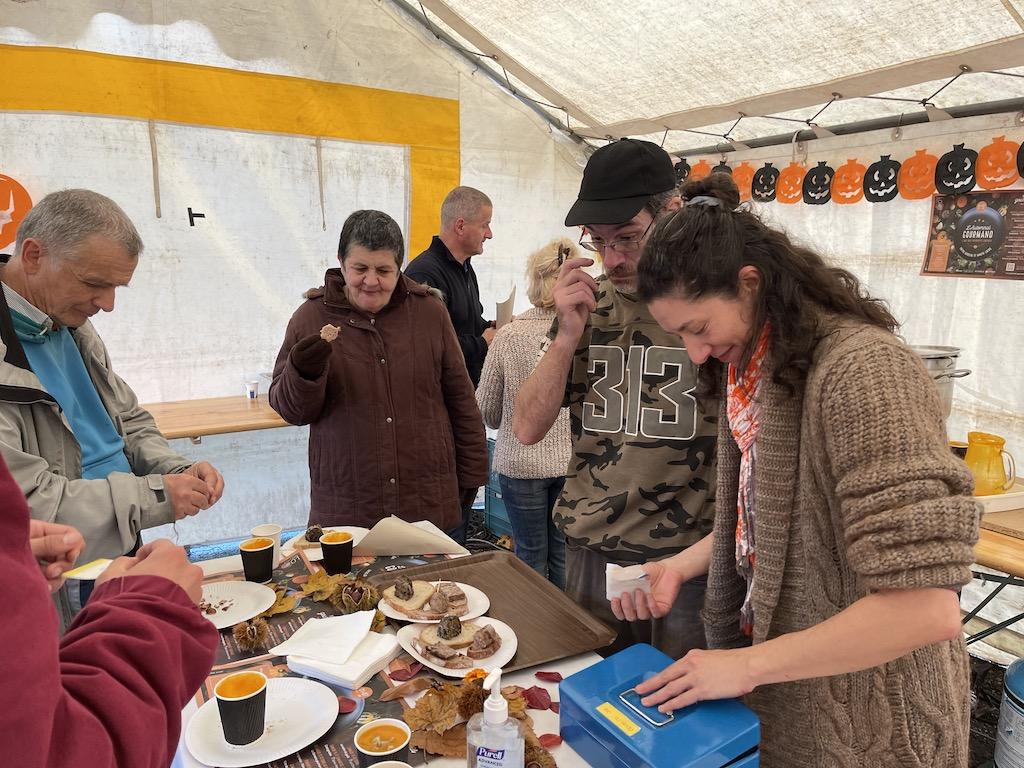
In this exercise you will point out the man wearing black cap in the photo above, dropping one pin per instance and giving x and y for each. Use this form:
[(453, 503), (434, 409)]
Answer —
[(641, 483)]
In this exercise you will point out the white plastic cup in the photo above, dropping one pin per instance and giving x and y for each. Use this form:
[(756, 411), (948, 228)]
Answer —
[(270, 531), (252, 389)]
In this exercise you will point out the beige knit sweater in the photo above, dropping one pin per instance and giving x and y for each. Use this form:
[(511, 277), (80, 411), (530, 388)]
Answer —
[(857, 491), (510, 360)]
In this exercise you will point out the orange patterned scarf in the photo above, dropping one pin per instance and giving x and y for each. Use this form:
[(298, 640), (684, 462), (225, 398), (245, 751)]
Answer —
[(744, 422)]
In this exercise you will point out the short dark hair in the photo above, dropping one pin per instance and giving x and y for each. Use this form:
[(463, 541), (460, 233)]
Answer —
[(699, 250), (375, 231)]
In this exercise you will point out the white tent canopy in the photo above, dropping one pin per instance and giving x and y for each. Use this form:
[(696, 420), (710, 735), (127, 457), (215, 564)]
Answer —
[(644, 68)]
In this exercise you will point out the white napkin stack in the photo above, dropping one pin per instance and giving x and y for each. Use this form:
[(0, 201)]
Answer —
[(339, 649)]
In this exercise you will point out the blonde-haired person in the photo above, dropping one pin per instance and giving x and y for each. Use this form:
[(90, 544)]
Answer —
[(531, 476)]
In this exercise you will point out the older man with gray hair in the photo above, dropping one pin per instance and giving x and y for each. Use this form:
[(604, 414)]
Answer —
[(71, 431), (445, 265)]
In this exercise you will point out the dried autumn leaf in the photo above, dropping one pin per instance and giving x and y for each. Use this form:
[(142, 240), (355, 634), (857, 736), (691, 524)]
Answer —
[(555, 707), (408, 673), (406, 689), (549, 677), (451, 743), (283, 603), (549, 740), (346, 705), (535, 756), (537, 698), (436, 710), (321, 586)]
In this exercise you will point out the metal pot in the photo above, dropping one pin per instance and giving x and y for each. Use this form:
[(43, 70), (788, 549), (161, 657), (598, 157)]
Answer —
[(941, 364)]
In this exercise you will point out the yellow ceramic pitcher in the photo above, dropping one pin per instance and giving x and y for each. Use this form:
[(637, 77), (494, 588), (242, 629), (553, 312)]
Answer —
[(985, 460)]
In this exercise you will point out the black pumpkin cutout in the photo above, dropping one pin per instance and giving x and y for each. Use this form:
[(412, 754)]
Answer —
[(880, 180), (682, 171), (722, 167), (818, 184), (1020, 160), (955, 172), (762, 188)]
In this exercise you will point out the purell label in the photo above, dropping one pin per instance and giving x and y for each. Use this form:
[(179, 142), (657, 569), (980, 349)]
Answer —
[(490, 758)]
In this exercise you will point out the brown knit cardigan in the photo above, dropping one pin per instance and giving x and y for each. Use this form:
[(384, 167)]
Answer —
[(856, 491)]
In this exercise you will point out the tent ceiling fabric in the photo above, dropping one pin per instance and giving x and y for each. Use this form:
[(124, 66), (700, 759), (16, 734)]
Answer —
[(639, 68)]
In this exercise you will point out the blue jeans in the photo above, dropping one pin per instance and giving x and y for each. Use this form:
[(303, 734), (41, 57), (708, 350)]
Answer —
[(539, 543)]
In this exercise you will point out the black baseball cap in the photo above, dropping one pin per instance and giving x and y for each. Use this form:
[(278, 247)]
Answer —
[(619, 178)]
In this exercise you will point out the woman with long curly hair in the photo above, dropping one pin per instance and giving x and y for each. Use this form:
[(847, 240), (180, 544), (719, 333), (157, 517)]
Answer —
[(843, 526)]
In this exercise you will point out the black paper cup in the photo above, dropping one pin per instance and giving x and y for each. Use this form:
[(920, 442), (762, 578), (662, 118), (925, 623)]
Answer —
[(959, 448), (337, 556), (368, 756), (258, 561), (242, 705)]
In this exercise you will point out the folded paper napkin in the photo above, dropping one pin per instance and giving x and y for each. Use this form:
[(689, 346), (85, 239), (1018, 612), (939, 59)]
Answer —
[(332, 639), (371, 656), (394, 536), (628, 579)]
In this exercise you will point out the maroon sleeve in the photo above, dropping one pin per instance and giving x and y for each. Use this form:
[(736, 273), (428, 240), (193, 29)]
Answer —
[(297, 400), (111, 692)]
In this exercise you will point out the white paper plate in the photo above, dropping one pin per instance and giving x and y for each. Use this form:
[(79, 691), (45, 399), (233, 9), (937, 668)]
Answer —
[(299, 712), (509, 643), (314, 553), (477, 602), (246, 598)]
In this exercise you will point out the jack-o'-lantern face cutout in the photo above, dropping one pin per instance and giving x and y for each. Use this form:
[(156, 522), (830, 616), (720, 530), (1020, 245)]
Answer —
[(997, 166), (14, 204), (955, 171), (789, 188), (817, 187), (700, 170), (682, 171), (762, 188), (917, 175), (722, 167), (848, 183), (743, 175), (881, 180)]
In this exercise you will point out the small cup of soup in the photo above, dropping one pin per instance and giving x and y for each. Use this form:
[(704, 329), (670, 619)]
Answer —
[(382, 741)]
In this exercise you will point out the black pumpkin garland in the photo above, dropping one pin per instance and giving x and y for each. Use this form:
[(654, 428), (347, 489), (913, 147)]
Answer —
[(762, 188), (880, 180), (722, 167), (817, 187), (682, 171), (955, 172)]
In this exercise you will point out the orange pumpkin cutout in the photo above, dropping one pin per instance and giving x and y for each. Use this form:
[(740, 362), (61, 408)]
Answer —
[(848, 183), (790, 187), (917, 176), (743, 175), (996, 166), (700, 171), (14, 204)]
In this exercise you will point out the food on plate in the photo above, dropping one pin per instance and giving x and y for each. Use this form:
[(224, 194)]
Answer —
[(449, 628), (329, 332), (425, 601), (311, 538), (476, 642)]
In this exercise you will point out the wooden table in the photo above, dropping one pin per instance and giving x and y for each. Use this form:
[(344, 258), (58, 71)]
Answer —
[(1000, 552), (213, 416)]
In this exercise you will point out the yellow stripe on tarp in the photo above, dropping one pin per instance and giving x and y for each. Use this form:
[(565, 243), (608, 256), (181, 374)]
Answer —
[(41, 79)]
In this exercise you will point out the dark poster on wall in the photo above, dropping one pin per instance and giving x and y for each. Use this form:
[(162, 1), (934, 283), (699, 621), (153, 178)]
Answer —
[(977, 234)]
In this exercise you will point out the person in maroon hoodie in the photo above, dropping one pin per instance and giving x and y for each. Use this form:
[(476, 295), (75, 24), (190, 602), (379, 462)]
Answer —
[(109, 693)]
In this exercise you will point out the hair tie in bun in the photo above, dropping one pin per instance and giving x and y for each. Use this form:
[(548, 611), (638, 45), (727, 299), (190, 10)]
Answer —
[(704, 200)]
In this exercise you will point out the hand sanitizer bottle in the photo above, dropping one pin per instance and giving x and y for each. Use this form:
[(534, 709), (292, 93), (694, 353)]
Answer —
[(494, 740)]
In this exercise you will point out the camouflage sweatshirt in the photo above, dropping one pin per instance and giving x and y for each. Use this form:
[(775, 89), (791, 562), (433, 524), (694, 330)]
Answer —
[(641, 482)]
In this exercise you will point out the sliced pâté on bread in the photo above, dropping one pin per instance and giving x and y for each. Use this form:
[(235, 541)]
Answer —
[(421, 592), (429, 635)]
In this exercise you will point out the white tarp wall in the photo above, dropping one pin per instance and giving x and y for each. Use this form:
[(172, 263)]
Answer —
[(209, 303)]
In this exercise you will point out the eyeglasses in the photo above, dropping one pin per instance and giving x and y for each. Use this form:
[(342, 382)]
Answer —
[(624, 245)]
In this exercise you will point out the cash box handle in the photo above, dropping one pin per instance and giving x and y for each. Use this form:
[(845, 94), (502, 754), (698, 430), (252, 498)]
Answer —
[(668, 718)]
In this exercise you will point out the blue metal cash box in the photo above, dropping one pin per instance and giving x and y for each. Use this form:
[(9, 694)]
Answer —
[(604, 721)]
